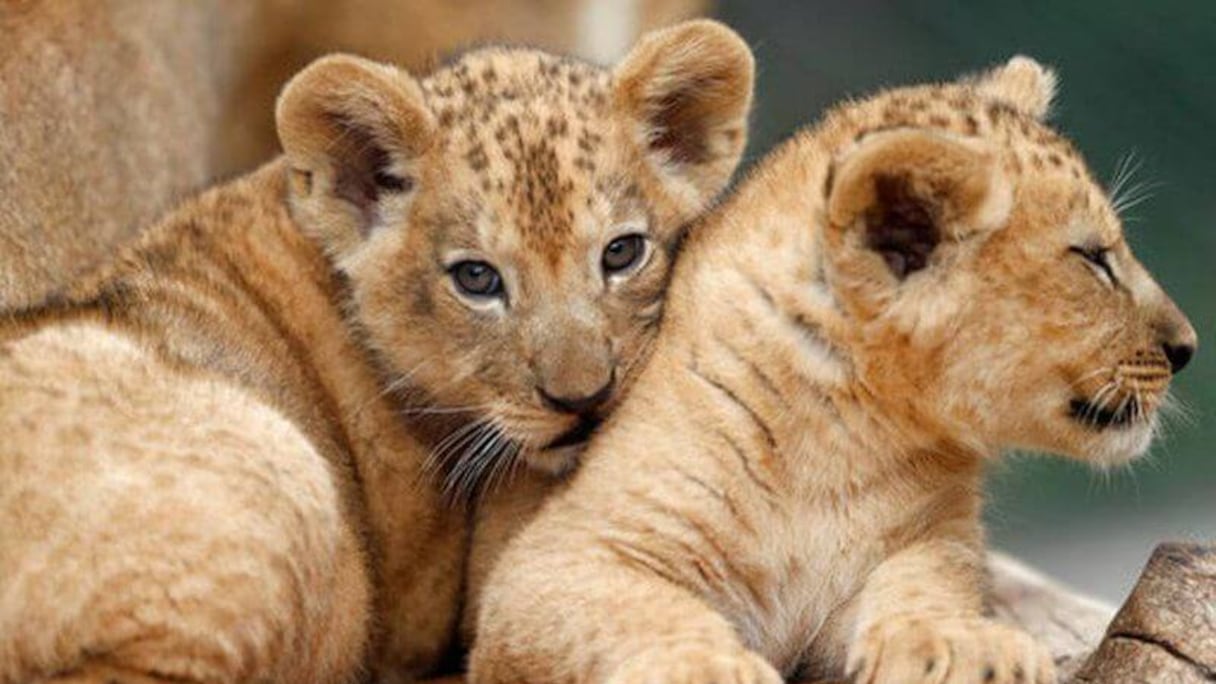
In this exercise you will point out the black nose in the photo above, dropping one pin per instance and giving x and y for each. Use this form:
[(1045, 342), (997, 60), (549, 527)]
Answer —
[(1178, 354), (581, 405)]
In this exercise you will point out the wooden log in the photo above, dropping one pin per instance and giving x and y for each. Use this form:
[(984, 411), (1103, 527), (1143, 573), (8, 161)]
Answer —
[(1068, 623), (1166, 631)]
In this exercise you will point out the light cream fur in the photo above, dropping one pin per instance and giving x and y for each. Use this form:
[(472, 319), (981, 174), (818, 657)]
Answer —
[(114, 110), (793, 488), (221, 461), (162, 531)]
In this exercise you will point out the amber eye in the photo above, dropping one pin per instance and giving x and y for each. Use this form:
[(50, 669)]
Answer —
[(476, 279), (623, 253)]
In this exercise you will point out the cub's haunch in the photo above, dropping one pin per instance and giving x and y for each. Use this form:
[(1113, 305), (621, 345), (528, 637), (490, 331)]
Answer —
[(927, 278)]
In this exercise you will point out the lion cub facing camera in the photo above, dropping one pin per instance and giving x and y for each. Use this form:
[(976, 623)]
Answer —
[(927, 278), (218, 457)]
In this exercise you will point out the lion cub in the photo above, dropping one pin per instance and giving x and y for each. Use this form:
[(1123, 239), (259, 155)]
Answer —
[(220, 458), (927, 278)]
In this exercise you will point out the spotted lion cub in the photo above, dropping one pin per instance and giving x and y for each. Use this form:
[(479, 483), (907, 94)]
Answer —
[(927, 278), (220, 458)]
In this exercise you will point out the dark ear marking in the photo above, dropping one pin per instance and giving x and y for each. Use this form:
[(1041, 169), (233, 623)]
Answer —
[(902, 192), (900, 227), (361, 174), (687, 90), (353, 124), (394, 184), (679, 129)]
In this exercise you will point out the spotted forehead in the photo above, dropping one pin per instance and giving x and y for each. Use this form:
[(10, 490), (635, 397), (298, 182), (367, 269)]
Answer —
[(1031, 147), (527, 131)]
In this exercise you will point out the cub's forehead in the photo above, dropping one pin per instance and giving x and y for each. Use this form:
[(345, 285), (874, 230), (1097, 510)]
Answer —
[(490, 93), (959, 108), (1031, 148), (526, 137)]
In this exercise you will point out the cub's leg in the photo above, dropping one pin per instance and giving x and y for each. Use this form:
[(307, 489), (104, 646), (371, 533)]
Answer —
[(156, 526), (570, 605), (918, 619)]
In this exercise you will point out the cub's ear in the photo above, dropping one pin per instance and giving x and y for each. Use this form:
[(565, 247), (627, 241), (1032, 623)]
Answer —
[(1023, 83), (352, 130), (686, 91), (900, 193)]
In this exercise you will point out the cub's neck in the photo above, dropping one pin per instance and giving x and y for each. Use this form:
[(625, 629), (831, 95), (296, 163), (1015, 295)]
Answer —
[(752, 283)]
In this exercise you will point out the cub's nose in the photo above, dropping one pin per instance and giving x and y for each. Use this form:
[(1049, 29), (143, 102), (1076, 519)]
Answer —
[(1177, 336), (580, 404), (1178, 354)]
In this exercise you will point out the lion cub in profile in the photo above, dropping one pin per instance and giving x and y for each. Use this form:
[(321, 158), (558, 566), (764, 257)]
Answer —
[(927, 278), (219, 458)]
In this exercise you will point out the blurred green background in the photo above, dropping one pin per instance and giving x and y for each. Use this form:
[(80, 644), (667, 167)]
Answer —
[(1137, 77)]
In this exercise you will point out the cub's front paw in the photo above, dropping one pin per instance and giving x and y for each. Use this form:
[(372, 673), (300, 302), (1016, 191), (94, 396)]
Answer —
[(696, 664), (948, 651)]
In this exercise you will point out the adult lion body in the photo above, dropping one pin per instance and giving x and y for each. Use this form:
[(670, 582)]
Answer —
[(112, 111), (223, 453)]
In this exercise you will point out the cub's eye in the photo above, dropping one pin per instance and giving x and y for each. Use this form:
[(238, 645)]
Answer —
[(476, 279), (1098, 257), (623, 253)]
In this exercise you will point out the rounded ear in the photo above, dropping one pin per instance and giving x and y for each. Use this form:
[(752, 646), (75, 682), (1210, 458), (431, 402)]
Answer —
[(686, 91), (351, 129), (901, 192), (1022, 83)]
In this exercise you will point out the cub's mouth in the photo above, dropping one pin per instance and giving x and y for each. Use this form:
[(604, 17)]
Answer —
[(577, 435), (1123, 413)]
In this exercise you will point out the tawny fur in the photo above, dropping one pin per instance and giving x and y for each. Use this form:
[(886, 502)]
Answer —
[(217, 462), (113, 111), (793, 487)]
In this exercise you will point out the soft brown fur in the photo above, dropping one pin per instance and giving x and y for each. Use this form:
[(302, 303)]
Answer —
[(223, 455), (113, 110), (793, 485)]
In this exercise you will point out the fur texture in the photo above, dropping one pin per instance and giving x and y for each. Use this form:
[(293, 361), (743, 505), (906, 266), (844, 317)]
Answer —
[(927, 278), (114, 110), (242, 439)]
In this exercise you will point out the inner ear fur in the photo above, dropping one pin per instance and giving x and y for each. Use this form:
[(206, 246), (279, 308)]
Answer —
[(350, 127), (904, 191), (687, 91)]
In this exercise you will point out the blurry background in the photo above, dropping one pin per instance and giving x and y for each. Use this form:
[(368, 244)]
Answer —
[(1136, 78)]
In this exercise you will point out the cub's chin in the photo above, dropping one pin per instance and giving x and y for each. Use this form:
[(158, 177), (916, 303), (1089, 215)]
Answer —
[(1124, 446), (561, 454), (557, 461), (1113, 437)]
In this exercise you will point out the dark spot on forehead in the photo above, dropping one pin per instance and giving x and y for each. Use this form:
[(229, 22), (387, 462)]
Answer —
[(542, 193), (476, 157), (525, 125), (998, 110), (557, 126)]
